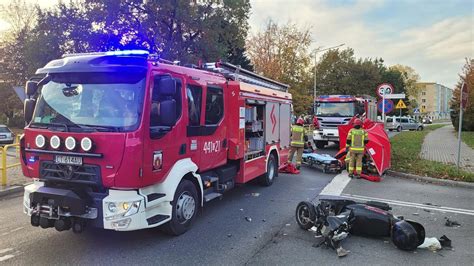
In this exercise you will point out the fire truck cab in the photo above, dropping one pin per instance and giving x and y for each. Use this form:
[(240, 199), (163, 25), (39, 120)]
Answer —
[(125, 141), (334, 110)]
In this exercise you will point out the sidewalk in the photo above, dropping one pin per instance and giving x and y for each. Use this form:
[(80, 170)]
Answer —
[(441, 145)]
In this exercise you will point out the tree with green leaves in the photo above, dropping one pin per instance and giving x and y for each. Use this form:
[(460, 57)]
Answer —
[(281, 52)]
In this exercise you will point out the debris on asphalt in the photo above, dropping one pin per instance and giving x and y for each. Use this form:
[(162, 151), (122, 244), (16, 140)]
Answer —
[(450, 223), (287, 224), (263, 220), (248, 219), (229, 235), (431, 243), (255, 194), (241, 210), (445, 242), (416, 214), (426, 210), (431, 204), (341, 252)]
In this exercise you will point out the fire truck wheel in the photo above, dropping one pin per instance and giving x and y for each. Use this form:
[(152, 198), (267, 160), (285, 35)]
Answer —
[(320, 144), (272, 172), (185, 205)]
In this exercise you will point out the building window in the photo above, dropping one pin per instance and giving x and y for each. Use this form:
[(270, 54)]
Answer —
[(423, 100), (423, 106), (423, 93)]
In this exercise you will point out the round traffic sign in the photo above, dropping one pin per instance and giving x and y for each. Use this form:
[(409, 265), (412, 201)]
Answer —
[(388, 106), (384, 89)]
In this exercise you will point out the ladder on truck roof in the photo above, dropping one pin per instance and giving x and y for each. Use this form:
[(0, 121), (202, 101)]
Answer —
[(237, 73)]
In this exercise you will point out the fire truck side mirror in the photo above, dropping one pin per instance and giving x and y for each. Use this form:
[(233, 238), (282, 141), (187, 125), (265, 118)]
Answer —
[(167, 86), (28, 108), (31, 88)]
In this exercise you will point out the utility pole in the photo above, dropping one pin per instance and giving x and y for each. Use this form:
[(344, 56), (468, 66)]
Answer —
[(319, 49)]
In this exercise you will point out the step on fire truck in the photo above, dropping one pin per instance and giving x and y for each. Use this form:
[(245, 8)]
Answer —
[(125, 140), (335, 110)]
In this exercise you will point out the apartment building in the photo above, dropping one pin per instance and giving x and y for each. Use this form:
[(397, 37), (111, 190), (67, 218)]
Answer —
[(434, 100)]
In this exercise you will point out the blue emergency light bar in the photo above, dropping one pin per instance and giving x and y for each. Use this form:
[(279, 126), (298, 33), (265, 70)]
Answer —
[(117, 53)]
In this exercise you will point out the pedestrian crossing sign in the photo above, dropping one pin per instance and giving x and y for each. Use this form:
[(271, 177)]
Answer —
[(400, 105)]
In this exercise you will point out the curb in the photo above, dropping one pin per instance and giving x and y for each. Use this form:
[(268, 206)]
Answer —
[(11, 190), (445, 182)]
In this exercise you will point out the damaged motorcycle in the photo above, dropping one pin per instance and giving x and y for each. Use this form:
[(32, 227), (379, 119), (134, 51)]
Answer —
[(335, 218)]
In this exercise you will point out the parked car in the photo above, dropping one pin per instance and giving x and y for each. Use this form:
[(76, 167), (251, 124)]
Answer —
[(427, 120), (6, 135), (401, 123)]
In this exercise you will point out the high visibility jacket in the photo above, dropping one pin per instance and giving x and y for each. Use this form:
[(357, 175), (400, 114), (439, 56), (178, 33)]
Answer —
[(356, 138), (297, 136)]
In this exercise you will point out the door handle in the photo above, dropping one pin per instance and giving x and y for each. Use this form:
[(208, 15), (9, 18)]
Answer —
[(224, 143)]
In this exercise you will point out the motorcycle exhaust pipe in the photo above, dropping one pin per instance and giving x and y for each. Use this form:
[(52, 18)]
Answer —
[(62, 224)]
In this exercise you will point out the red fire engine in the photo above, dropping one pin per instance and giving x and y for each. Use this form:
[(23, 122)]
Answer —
[(335, 110), (126, 141)]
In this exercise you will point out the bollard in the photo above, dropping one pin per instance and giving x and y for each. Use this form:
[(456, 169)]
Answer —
[(4, 166)]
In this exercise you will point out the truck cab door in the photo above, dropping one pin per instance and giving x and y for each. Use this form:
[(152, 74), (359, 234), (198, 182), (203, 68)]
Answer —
[(210, 135)]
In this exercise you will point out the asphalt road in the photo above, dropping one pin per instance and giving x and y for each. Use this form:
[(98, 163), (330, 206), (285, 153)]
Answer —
[(221, 234)]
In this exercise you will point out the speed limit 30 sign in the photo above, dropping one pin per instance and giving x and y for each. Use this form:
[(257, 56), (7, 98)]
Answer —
[(384, 89)]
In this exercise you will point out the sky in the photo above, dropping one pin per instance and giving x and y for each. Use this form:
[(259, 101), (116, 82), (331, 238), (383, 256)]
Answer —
[(432, 36)]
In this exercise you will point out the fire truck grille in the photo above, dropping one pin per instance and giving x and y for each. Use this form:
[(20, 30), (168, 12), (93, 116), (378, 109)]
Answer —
[(86, 174), (332, 124)]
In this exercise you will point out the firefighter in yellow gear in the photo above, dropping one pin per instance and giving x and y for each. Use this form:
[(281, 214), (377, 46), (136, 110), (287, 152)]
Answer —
[(297, 142), (355, 144)]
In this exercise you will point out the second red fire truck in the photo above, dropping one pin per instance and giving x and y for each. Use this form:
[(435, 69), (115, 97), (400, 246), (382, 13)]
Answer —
[(126, 141)]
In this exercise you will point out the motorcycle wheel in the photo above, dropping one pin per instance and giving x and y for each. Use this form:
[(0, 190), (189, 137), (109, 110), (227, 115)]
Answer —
[(305, 215)]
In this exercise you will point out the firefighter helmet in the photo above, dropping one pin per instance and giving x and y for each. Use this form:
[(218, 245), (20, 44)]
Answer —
[(300, 121), (357, 122)]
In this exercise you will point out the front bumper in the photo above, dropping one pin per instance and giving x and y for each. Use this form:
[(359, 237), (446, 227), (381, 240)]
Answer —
[(6, 140), (329, 134), (93, 207)]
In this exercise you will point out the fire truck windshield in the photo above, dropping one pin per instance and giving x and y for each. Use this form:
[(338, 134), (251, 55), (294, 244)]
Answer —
[(98, 102), (335, 109)]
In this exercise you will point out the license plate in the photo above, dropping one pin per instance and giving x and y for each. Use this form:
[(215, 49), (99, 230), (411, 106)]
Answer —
[(72, 160)]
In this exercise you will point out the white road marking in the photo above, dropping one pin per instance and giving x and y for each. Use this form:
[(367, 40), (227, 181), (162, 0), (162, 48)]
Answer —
[(5, 250), (16, 229), (6, 257), (412, 204), (337, 185)]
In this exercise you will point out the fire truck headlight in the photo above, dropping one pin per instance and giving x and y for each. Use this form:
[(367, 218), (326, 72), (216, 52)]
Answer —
[(70, 143), (55, 142), (40, 141), (86, 144), (116, 210)]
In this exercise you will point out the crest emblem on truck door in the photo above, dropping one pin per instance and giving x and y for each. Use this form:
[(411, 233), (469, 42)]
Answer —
[(157, 160)]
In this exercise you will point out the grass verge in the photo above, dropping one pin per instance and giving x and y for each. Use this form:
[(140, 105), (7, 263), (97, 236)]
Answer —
[(406, 148), (468, 138)]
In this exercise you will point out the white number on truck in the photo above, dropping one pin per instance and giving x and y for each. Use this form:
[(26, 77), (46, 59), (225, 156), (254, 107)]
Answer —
[(212, 146)]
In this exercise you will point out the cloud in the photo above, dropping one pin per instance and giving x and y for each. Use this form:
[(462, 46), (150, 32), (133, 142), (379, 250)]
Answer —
[(435, 49)]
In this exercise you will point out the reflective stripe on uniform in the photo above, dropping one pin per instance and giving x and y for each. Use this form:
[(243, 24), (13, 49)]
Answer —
[(297, 136)]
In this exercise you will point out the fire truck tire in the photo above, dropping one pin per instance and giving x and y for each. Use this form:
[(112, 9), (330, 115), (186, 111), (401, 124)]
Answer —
[(320, 144), (272, 170), (185, 207)]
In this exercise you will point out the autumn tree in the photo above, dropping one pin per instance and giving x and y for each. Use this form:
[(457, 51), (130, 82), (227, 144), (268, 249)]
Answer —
[(467, 76), (281, 52)]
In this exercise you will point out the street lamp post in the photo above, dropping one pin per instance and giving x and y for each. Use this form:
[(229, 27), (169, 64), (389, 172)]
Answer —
[(319, 49)]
